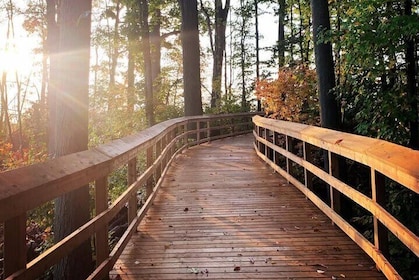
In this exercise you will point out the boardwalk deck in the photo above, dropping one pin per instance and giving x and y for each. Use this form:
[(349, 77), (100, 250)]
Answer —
[(223, 214)]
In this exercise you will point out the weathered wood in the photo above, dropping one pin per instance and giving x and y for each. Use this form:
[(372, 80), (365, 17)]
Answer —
[(222, 214)]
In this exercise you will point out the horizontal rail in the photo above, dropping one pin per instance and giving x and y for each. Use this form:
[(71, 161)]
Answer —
[(275, 139), (24, 189)]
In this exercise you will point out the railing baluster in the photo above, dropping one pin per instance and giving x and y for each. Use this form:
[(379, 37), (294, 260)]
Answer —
[(14, 244), (308, 176), (149, 162), (335, 198), (378, 195), (132, 177), (101, 204)]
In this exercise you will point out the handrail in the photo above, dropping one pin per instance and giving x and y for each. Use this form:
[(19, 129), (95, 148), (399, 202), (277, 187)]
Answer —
[(26, 188), (384, 159)]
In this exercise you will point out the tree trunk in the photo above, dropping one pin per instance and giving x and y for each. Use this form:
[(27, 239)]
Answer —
[(52, 46), (71, 127), (191, 58), (412, 94), (329, 112), (219, 49), (281, 33), (114, 50), (155, 42), (243, 55), (145, 39), (259, 105)]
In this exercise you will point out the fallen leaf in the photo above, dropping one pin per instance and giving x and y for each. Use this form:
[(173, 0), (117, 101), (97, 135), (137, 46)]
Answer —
[(186, 209), (252, 260), (320, 271), (334, 277), (137, 262), (193, 270), (343, 275), (237, 268)]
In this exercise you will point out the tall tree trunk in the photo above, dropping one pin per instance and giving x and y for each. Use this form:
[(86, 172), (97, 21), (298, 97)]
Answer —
[(71, 126), (52, 47), (259, 104), (281, 33), (243, 55), (412, 94), (191, 57), (219, 49), (114, 50), (145, 42), (155, 42), (329, 112)]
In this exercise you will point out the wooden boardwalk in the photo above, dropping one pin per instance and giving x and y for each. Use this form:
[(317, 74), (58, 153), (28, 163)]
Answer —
[(223, 214)]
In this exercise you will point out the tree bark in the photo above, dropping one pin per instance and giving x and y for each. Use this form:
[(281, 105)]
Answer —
[(329, 110), (259, 104), (191, 58), (219, 49), (71, 127), (412, 94), (145, 39), (281, 33)]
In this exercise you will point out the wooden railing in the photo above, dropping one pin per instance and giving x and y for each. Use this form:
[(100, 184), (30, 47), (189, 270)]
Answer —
[(27, 188), (276, 142)]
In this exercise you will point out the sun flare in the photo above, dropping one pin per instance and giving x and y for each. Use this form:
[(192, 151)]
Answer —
[(15, 60)]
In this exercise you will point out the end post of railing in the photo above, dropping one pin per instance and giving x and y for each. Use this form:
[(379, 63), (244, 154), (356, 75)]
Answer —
[(14, 244)]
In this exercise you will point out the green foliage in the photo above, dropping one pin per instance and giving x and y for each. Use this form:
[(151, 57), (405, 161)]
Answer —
[(371, 67)]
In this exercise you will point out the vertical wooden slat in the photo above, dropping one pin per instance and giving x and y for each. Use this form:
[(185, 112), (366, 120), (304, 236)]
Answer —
[(288, 147), (378, 195), (132, 177), (157, 173), (198, 132), (149, 162), (101, 204), (308, 176), (335, 196), (14, 244), (208, 131)]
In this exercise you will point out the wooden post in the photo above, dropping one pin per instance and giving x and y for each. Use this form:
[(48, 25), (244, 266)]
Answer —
[(132, 177), (335, 196), (308, 176), (288, 147), (158, 153), (149, 162), (14, 244), (378, 195), (101, 204), (198, 132)]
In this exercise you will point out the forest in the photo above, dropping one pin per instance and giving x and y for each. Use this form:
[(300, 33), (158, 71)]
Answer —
[(345, 65)]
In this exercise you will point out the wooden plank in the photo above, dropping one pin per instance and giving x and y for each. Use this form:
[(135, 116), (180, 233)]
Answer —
[(214, 215)]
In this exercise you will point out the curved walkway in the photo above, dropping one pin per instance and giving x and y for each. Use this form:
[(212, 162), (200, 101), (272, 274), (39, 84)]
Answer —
[(221, 213)]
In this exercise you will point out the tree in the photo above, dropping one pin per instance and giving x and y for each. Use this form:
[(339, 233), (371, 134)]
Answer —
[(218, 45), (329, 111), (71, 127), (145, 41), (191, 57)]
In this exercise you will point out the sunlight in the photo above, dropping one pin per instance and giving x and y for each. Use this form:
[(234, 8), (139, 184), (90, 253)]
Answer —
[(14, 59)]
